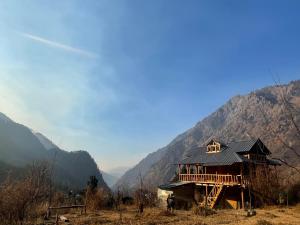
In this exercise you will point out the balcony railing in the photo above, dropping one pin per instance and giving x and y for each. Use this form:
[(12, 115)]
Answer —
[(214, 179)]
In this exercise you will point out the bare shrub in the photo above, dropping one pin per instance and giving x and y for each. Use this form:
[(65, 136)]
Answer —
[(145, 196), (127, 200), (20, 199), (265, 183), (58, 198), (96, 199), (294, 193)]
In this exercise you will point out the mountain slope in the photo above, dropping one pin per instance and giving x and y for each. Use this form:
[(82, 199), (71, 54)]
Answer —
[(20, 147), (241, 118), (109, 178), (130, 178), (45, 141)]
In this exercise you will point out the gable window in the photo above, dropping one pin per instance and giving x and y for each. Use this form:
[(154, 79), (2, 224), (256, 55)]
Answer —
[(257, 157), (213, 147)]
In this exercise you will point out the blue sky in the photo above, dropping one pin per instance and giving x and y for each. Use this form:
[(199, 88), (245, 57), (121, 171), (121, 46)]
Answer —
[(123, 78)]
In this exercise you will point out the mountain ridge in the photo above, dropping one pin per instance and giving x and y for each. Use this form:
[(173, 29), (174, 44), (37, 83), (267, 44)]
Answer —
[(45, 141), (21, 146)]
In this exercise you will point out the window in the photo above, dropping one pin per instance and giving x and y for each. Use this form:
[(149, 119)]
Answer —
[(213, 147), (257, 157)]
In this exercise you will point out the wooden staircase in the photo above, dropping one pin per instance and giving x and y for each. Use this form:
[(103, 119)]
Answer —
[(213, 196)]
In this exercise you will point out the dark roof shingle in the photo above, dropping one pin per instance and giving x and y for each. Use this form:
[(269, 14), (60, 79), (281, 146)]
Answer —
[(227, 156)]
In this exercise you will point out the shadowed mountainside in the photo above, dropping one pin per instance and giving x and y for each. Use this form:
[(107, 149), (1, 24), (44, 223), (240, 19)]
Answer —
[(259, 114), (20, 147)]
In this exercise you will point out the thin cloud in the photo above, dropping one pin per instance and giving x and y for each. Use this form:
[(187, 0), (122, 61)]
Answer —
[(59, 45)]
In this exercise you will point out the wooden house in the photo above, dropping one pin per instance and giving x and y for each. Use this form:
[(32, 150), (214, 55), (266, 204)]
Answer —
[(217, 175)]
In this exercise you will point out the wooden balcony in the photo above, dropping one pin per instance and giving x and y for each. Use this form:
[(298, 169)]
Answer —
[(214, 179)]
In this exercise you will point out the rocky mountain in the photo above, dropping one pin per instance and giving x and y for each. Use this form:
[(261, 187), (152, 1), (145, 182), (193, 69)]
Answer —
[(259, 114), (20, 147)]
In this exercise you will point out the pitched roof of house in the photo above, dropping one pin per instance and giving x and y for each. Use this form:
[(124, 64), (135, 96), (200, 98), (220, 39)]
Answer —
[(230, 153)]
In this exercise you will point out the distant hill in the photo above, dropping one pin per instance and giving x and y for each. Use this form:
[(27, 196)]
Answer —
[(241, 118), (111, 176), (130, 178), (109, 179), (118, 171), (20, 147)]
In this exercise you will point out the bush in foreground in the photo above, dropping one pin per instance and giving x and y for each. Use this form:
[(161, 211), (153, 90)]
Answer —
[(21, 200)]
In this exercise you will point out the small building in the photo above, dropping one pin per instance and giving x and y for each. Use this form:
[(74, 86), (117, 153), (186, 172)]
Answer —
[(162, 196), (218, 175)]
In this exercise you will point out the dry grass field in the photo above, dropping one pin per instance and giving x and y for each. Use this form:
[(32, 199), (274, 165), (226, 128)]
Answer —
[(156, 216)]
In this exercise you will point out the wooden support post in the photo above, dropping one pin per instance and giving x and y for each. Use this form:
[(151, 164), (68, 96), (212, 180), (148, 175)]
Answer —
[(242, 197), (241, 175), (56, 219), (179, 172), (206, 193), (48, 214), (188, 172)]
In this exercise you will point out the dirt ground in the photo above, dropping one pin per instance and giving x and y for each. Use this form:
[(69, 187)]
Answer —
[(156, 216)]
